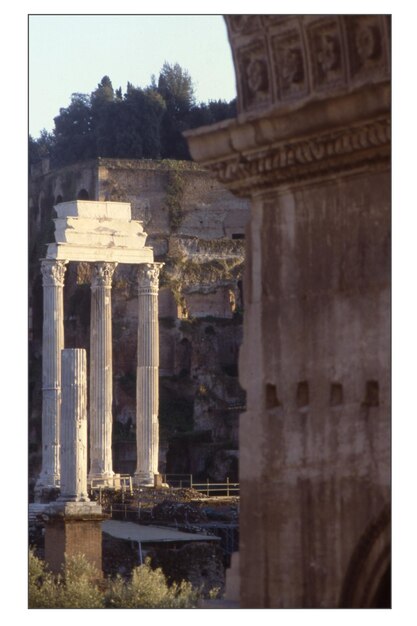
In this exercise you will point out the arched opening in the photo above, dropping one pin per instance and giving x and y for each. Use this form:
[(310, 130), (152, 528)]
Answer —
[(58, 199), (83, 195), (184, 357), (367, 583)]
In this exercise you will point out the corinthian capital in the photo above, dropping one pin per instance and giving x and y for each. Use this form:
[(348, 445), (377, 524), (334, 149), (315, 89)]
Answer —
[(53, 272), (102, 274), (148, 277)]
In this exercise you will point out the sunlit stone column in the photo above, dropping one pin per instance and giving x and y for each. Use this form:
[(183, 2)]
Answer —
[(74, 426), (53, 272), (101, 384), (147, 428)]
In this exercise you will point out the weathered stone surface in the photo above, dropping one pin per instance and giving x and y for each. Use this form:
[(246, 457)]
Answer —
[(98, 231), (101, 374), (73, 430), (94, 210), (147, 396), (92, 254), (311, 148), (53, 273)]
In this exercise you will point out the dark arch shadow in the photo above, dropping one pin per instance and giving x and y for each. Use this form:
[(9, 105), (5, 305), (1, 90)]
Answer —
[(83, 195), (367, 583)]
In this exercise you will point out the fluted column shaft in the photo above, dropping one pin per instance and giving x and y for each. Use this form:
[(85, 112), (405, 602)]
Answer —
[(101, 373), (147, 400), (74, 426), (53, 272)]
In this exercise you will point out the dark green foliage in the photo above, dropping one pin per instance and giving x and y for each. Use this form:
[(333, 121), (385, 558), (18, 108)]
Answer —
[(78, 587), (174, 195), (73, 132), (140, 124), (41, 147)]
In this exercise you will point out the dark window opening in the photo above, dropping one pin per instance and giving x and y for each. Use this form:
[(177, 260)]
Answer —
[(238, 236), (83, 195)]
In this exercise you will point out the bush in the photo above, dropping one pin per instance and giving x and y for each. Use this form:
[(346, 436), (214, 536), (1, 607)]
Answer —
[(78, 588), (148, 589)]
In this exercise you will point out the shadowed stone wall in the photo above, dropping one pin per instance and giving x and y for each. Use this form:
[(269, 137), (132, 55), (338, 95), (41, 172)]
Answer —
[(311, 149)]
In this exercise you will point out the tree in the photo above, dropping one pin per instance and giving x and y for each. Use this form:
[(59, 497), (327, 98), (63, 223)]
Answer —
[(102, 116), (143, 123), (41, 147), (74, 138), (176, 88)]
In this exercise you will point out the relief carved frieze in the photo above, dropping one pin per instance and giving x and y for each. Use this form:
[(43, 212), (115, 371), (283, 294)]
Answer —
[(290, 64), (366, 45), (255, 84), (326, 54), (244, 24), (282, 58), (338, 150)]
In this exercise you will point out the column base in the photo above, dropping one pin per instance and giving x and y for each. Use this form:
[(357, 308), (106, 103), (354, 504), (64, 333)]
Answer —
[(46, 488), (142, 479)]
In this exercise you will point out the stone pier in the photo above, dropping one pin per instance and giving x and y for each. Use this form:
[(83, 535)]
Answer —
[(73, 523), (147, 428), (53, 272), (101, 374)]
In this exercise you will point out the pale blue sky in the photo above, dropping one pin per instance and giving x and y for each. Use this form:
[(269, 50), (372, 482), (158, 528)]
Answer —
[(71, 53)]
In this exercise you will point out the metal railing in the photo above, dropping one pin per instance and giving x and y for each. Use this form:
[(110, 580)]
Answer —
[(216, 489), (118, 481), (208, 488), (123, 482), (178, 480)]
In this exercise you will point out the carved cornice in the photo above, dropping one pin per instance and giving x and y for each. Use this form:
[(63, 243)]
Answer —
[(102, 274), (281, 59), (288, 161), (53, 272), (317, 139), (148, 277)]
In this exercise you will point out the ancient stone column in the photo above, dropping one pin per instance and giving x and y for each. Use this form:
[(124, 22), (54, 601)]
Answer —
[(147, 428), (101, 390), (53, 272), (74, 426)]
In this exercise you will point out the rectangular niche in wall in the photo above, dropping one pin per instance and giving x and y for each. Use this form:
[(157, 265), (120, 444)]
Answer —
[(371, 393), (271, 398), (302, 398), (336, 394)]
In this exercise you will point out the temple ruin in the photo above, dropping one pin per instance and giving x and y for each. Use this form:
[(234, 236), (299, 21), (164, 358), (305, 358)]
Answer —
[(104, 235)]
